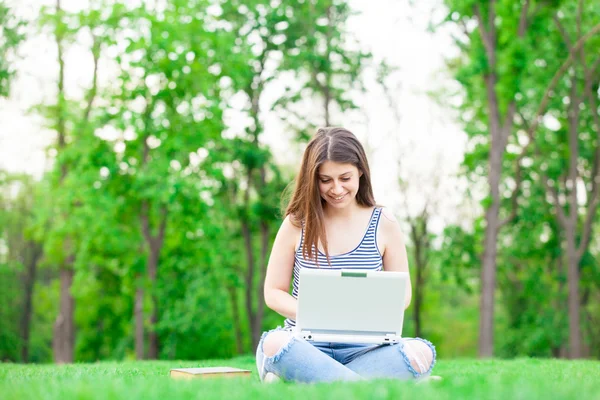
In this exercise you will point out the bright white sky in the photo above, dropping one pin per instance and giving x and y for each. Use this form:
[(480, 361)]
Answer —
[(426, 140)]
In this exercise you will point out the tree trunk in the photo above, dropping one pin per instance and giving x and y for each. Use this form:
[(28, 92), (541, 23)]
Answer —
[(574, 298), (264, 251), (586, 348), (154, 245), (139, 320), (153, 344), (488, 285), (499, 133), (570, 224), (35, 252), (64, 329), (488, 271), (420, 242), (260, 296), (418, 299), (562, 351), (235, 313), (249, 282)]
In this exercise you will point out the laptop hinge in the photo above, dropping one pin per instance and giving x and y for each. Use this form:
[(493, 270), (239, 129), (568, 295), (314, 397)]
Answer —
[(388, 338), (391, 338)]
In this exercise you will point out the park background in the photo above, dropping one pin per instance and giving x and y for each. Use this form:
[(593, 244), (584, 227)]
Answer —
[(145, 148)]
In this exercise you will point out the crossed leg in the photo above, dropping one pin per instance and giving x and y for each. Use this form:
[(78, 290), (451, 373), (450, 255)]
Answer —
[(297, 360), (412, 358)]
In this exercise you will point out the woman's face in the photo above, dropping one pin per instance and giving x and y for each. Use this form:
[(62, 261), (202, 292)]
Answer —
[(338, 183)]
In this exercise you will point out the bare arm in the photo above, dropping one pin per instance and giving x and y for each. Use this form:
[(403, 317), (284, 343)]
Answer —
[(394, 252), (280, 270)]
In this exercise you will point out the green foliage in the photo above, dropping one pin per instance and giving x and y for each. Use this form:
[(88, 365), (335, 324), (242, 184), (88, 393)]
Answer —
[(148, 145), (11, 35), (158, 142), (45, 310), (531, 261), (10, 335), (323, 56), (18, 250)]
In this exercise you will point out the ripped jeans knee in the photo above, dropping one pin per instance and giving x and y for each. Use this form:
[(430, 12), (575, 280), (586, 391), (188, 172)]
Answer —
[(263, 362), (419, 355)]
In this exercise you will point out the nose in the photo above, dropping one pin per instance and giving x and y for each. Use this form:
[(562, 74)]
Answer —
[(337, 188)]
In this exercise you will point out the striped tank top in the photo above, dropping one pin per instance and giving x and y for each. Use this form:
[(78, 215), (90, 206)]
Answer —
[(365, 256)]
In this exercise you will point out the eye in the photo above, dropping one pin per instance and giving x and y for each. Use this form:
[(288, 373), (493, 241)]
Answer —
[(345, 179), (325, 180)]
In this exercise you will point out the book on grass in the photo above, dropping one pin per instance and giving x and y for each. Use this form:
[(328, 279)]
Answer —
[(208, 372)]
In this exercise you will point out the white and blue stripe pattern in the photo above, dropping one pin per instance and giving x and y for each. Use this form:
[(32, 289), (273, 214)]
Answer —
[(365, 256)]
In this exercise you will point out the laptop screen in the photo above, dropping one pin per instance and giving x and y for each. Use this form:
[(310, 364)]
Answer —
[(351, 301)]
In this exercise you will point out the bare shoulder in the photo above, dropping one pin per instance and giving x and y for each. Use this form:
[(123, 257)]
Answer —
[(388, 215), (291, 224), (390, 226), (290, 230), (291, 220), (390, 238)]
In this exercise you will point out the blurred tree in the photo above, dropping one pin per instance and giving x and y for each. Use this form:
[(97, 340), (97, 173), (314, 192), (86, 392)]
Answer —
[(19, 257), (531, 281), (260, 27), (327, 64), (11, 35), (31, 253), (568, 154), (496, 47), (165, 108), (69, 123), (20, 253), (421, 239)]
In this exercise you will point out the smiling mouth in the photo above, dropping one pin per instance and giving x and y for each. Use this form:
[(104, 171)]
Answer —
[(338, 197)]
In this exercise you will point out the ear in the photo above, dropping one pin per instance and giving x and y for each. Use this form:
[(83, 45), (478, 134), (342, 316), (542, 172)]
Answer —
[(360, 173)]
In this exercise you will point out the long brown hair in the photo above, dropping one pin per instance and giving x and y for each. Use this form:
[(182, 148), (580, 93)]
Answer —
[(306, 206)]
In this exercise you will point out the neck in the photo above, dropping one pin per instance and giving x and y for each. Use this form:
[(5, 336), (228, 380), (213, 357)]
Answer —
[(340, 213)]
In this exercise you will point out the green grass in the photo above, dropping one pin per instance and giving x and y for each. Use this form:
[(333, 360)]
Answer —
[(463, 379)]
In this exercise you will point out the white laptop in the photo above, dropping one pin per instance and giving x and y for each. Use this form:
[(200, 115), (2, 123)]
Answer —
[(350, 306)]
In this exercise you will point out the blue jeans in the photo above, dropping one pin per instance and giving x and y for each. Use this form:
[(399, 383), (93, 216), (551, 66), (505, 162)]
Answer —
[(303, 361)]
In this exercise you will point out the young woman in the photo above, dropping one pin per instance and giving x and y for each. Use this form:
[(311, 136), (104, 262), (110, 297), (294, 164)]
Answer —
[(333, 221)]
